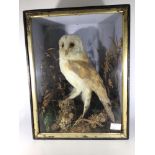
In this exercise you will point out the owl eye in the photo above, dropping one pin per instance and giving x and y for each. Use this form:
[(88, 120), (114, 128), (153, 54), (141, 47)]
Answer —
[(62, 45), (71, 45)]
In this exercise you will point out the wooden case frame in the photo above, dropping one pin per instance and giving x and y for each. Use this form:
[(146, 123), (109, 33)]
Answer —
[(28, 16)]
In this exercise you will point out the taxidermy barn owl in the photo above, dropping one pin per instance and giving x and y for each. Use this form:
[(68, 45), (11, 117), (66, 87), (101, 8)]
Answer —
[(78, 71)]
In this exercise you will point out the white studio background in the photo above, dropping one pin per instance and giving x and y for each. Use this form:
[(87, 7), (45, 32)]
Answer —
[(69, 147), (15, 90), (14, 93)]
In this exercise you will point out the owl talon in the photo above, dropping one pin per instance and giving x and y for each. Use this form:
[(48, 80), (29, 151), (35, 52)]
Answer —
[(66, 98), (78, 120)]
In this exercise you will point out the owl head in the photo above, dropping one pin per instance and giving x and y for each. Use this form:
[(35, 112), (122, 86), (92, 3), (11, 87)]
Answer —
[(70, 45)]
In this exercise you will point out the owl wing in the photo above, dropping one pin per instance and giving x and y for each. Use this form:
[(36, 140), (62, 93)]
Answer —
[(86, 71), (90, 76)]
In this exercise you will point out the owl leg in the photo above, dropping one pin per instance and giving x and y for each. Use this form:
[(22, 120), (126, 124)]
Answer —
[(74, 93), (86, 97)]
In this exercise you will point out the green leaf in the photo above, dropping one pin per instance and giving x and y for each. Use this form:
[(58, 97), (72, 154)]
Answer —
[(48, 120)]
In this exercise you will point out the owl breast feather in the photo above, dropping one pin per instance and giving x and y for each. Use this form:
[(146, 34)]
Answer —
[(71, 76)]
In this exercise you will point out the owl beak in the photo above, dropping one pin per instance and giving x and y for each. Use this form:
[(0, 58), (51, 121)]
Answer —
[(66, 52)]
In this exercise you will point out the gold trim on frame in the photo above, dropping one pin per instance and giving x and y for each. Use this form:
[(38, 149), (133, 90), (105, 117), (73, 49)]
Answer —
[(29, 15)]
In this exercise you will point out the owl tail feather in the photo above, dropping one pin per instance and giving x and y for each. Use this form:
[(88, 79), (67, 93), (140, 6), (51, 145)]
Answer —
[(102, 94), (109, 112)]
